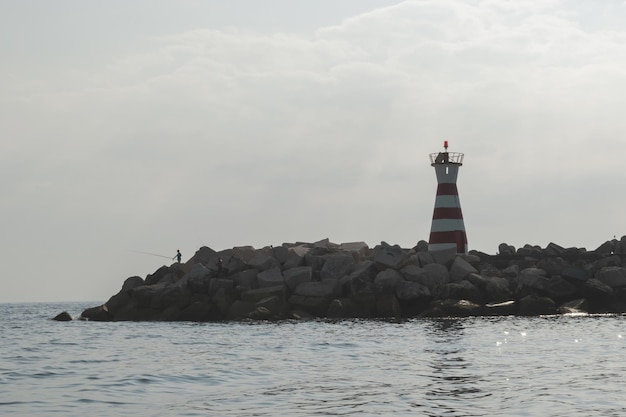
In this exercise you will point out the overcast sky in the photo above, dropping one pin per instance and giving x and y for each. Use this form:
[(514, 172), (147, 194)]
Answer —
[(156, 125)]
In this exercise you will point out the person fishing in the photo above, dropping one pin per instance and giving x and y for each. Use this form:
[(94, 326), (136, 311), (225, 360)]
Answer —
[(178, 256)]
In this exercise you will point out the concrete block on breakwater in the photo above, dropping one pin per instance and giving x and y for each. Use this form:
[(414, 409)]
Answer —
[(351, 280)]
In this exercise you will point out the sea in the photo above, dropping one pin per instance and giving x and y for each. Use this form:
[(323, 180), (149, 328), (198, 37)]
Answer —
[(476, 366)]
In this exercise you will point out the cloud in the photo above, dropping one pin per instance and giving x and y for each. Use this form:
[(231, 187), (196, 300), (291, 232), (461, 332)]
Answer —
[(230, 137)]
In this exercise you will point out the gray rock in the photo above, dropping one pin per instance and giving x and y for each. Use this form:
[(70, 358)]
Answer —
[(280, 253), (362, 278), (263, 262), (411, 291), (460, 269), (422, 246), (259, 294), (336, 266), (246, 279), (204, 255), (276, 305), (444, 257), (413, 273), (597, 292), (437, 276), (560, 290), (340, 308), (240, 309), (294, 260), (534, 305), (387, 281), (554, 250), (504, 249), (132, 282), (511, 271), (155, 277), (197, 279), (613, 276), (260, 313), (390, 256), (317, 306), (327, 288), (64, 316), (498, 290), (270, 278), (552, 266), (425, 258), (99, 313), (387, 305), (198, 311), (606, 248), (463, 290), (533, 278), (575, 274), (298, 275), (358, 250)]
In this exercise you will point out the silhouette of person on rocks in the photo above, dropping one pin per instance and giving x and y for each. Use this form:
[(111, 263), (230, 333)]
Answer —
[(178, 256)]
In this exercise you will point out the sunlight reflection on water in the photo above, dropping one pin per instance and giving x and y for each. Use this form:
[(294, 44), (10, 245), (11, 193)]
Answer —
[(548, 366)]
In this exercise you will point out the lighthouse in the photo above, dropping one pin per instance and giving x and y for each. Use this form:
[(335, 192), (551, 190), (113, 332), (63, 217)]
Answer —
[(447, 230)]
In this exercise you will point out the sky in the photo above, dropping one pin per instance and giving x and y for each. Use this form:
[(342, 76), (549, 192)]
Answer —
[(156, 125)]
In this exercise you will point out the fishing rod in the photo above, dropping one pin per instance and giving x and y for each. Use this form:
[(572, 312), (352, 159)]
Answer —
[(153, 254)]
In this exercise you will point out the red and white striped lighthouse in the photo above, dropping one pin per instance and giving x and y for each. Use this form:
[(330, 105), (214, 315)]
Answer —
[(447, 230)]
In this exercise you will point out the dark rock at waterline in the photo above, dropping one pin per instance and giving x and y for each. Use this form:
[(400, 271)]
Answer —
[(64, 316), (324, 279)]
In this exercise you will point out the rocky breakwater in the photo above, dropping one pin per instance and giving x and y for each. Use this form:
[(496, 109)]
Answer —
[(352, 280)]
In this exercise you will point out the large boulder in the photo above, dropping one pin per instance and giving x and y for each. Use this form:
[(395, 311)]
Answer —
[(390, 256), (444, 256), (246, 280), (197, 279), (262, 262), (294, 259), (534, 305), (498, 290), (464, 290), (575, 274), (298, 275), (336, 266), (317, 306), (204, 255), (132, 282), (270, 278), (198, 311), (613, 276), (534, 278), (387, 305), (412, 291), (460, 269), (387, 281), (597, 293), (362, 277), (435, 277), (327, 288), (552, 266), (99, 313), (560, 290), (63, 316)]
